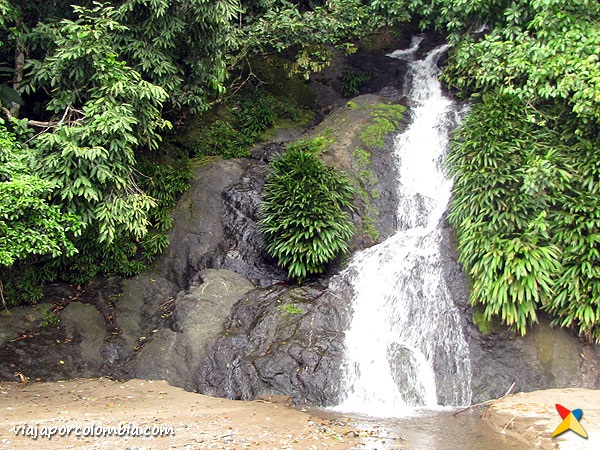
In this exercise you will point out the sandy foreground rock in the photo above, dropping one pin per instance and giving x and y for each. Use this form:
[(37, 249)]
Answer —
[(532, 417), (86, 406)]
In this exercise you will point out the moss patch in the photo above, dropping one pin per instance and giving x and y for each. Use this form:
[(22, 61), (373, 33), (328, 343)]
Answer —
[(352, 135), (486, 326)]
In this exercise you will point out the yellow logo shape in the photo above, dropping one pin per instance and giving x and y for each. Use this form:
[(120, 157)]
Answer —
[(570, 421)]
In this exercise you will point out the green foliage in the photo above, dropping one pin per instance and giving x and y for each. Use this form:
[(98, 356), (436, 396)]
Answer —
[(29, 224), (576, 228), (256, 113), (165, 184), (385, 120), (180, 45), (126, 254), (106, 112), (310, 30), (536, 51), (49, 319), (220, 139), (526, 172), (526, 215), (245, 122), (305, 224), (353, 79)]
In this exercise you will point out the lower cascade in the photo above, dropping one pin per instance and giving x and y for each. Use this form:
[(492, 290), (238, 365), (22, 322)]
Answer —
[(405, 347)]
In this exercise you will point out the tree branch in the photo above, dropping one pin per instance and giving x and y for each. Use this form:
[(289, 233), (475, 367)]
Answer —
[(512, 386)]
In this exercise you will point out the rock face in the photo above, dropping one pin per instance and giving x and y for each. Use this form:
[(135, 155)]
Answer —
[(240, 248), (176, 354), (545, 358), (279, 340), (197, 216)]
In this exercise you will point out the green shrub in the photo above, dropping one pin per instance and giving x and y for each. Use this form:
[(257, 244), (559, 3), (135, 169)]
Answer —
[(221, 139), (305, 224), (526, 208), (125, 255), (353, 79), (256, 113)]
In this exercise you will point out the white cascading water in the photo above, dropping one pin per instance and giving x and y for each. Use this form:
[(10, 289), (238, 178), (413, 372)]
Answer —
[(405, 329)]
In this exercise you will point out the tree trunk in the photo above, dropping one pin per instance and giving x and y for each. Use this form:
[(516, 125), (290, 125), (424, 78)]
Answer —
[(18, 75)]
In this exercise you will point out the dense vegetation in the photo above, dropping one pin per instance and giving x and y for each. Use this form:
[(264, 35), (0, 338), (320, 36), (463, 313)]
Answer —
[(305, 220), (526, 205), (89, 92)]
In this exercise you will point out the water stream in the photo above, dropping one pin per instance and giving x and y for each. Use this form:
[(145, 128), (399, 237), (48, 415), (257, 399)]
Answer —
[(405, 348)]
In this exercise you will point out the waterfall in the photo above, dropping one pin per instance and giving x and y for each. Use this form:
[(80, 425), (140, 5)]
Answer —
[(405, 346)]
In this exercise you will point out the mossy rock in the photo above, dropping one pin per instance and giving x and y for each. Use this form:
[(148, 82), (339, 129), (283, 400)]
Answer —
[(357, 140)]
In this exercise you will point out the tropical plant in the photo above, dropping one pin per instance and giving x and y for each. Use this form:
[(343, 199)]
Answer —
[(305, 221), (104, 111), (526, 215), (29, 224), (524, 163), (353, 79)]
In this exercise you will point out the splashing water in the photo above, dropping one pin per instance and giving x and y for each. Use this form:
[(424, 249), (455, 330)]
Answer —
[(405, 347)]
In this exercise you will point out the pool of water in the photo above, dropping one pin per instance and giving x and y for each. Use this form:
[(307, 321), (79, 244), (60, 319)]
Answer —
[(426, 430)]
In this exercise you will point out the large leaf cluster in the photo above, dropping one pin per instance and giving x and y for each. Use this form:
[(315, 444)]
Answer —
[(543, 50), (312, 28), (305, 221), (527, 214), (180, 45), (525, 159), (104, 112), (29, 224)]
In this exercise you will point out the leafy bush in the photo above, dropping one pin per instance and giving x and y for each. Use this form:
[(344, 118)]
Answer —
[(128, 255), (30, 227), (305, 224), (244, 123), (256, 113), (353, 79), (526, 210), (525, 201)]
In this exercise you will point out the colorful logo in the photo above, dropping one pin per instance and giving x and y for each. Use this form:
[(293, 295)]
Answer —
[(570, 421)]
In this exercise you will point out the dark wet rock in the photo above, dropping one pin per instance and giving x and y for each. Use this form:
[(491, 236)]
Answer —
[(384, 73), (282, 341), (543, 359), (430, 42), (199, 316), (240, 249), (197, 226), (45, 354), (71, 349), (268, 152), (19, 320)]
